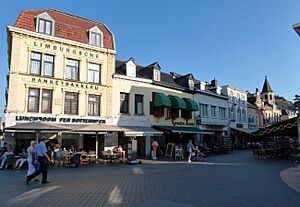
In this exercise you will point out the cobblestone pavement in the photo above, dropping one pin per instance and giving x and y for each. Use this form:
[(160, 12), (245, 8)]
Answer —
[(224, 180)]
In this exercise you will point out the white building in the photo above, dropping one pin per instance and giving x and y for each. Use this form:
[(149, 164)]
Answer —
[(238, 115), (213, 114)]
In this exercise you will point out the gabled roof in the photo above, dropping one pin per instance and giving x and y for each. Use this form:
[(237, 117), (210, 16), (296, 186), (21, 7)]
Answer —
[(284, 104), (267, 87), (183, 80), (67, 26), (147, 73)]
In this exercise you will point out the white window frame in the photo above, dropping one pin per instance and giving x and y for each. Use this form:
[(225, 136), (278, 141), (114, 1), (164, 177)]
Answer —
[(95, 30), (213, 111), (92, 72), (156, 74), (46, 17)]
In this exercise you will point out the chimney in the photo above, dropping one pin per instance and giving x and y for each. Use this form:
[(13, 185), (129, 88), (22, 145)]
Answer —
[(214, 83), (256, 92)]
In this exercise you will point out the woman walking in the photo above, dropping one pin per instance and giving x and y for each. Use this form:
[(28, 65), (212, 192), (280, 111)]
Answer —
[(31, 159)]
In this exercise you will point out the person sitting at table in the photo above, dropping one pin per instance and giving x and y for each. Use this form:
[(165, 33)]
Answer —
[(72, 149), (3, 158), (4, 148), (21, 160), (59, 155)]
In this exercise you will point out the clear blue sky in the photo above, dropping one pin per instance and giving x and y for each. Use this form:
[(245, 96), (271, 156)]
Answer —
[(237, 42)]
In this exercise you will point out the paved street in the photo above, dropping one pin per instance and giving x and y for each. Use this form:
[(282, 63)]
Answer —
[(225, 180)]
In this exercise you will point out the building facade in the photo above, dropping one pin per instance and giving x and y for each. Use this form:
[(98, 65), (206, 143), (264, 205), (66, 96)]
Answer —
[(273, 107), (144, 96), (60, 71), (212, 116), (238, 115)]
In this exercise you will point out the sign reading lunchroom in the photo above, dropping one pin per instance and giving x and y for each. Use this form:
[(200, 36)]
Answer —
[(52, 119)]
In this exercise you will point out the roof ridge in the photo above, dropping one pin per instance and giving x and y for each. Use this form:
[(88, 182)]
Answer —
[(76, 16)]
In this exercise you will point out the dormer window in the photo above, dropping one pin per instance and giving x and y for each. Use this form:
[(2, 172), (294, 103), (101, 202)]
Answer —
[(95, 37), (130, 69), (191, 84), (45, 24), (156, 75)]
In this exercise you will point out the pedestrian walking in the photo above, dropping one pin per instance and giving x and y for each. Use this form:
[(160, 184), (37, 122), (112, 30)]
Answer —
[(190, 148), (31, 158), (41, 152), (154, 149)]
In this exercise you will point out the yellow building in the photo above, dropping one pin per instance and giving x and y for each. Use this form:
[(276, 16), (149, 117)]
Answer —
[(60, 72)]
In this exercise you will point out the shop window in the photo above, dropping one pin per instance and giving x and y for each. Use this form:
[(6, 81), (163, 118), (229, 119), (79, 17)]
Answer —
[(174, 113), (71, 103), (94, 105)]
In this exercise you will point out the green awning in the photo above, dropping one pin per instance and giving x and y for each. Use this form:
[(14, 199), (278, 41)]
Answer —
[(177, 103), (191, 104), (161, 99), (179, 129)]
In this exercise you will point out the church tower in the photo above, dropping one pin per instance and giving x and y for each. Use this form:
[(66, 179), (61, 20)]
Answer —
[(267, 93)]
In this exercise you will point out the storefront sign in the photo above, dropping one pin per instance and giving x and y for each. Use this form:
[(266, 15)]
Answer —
[(63, 49), (59, 119), (63, 83), (181, 123)]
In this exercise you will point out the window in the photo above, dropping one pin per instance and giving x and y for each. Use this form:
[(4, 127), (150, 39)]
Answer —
[(244, 116), (213, 111), (186, 114), (160, 111), (204, 110), (95, 39), (35, 63), (72, 69), (33, 99), (271, 97), (94, 73), (231, 96), (232, 113), (222, 113), (45, 26), (48, 65), (94, 105), (71, 103), (124, 107), (156, 75), (46, 101), (139, 104), (191, 84), (239, 115)]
